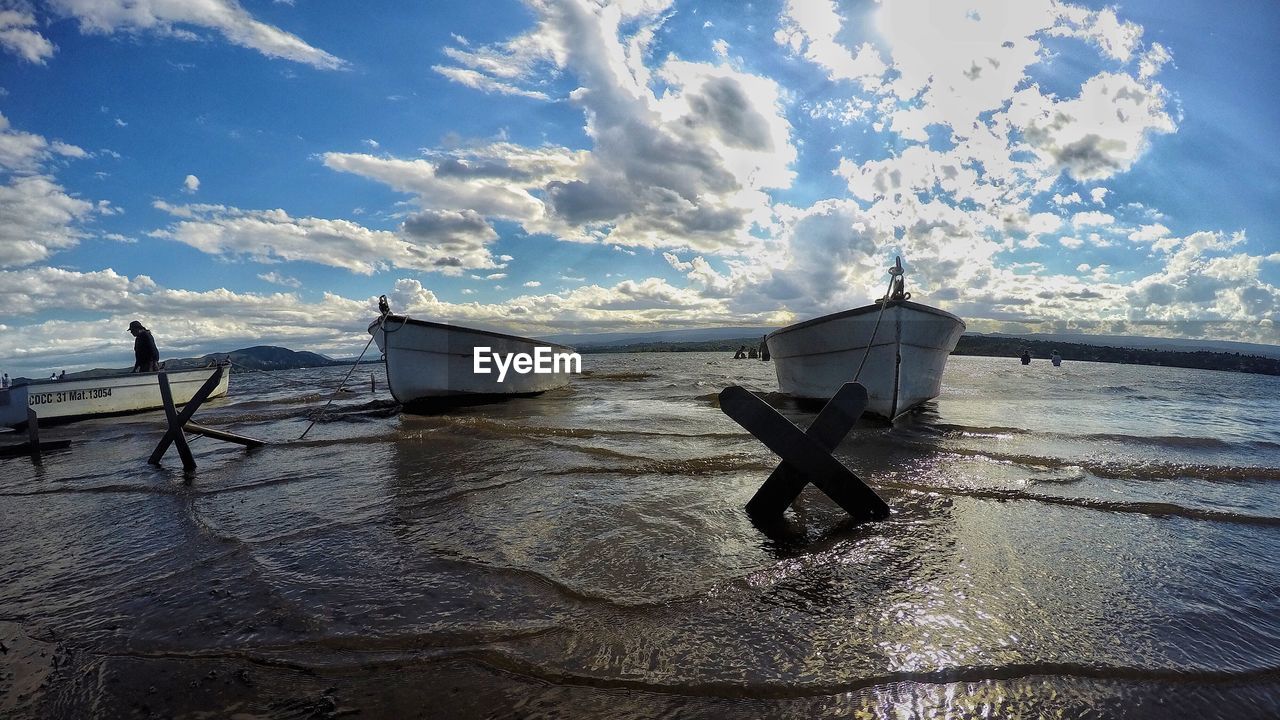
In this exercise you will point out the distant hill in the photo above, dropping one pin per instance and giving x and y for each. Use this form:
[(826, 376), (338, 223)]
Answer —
[(260, 357), (1012, 346), (1149, 343)]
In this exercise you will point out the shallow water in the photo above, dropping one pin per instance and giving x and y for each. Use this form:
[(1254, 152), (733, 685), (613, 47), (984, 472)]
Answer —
[(1086, 541)]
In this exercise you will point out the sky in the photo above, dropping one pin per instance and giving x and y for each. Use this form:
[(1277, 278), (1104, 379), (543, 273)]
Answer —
[(259, 172)]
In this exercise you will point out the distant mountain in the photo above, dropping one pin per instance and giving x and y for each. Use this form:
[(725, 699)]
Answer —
[(259, 357)]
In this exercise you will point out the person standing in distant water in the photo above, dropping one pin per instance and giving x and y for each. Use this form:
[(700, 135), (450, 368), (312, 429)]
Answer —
[(764, 348), (146, 357), (1056, 359), (1026, 357)]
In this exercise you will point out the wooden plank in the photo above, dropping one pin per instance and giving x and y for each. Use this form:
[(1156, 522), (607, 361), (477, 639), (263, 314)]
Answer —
[(828, 429), (175, 433), (24, 448), (804, 453), (222, 435), (187, 411)]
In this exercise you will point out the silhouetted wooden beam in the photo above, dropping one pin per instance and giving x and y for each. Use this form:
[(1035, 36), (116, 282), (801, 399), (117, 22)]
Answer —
[(177, 420), (828, 429), (33, 446), (222, 435), (805, 454)]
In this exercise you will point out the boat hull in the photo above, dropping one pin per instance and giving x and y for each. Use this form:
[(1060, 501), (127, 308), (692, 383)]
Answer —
[(902, 369), (56, 401), (430, 363)]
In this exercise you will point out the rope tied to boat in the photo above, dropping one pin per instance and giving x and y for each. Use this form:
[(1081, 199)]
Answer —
[(384, 310), (893, 292)]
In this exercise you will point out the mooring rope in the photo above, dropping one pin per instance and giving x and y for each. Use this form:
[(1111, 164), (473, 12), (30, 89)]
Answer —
[(323, 410), (884, 302)]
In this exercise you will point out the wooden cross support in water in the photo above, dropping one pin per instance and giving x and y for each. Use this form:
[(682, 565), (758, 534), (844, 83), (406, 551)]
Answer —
[(806, 456), (175, 436)]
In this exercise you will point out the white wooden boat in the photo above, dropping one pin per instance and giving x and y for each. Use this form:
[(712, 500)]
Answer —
[(896, 348), (67, 400), (432, 362)]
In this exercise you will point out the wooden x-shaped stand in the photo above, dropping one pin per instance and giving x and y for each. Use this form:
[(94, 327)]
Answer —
[(806, 456), (175, 436)]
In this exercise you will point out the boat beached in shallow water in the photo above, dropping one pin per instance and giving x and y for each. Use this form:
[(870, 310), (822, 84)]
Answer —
[(57, 401), (429, 362), (896, 348)]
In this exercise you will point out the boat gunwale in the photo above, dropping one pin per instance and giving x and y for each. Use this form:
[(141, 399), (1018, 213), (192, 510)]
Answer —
[(461, 328), (123, 375), (865, 309)]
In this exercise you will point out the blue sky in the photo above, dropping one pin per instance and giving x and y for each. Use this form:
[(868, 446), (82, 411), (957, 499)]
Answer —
[(259, 172)]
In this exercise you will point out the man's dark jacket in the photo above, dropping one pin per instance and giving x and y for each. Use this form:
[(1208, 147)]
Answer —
[(145, 351)]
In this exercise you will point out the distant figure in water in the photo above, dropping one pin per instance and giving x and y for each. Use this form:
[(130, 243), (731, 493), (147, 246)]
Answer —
[(4, 382), (742, 353), (1056, 359), (146, 355), (764, 348), (1026, 357)]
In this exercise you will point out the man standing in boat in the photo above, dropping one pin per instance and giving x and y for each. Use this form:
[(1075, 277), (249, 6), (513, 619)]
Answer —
[(146, 355)]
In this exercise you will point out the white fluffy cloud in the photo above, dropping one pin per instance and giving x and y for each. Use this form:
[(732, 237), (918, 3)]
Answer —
[(1100, 132), (276, 278), (38, 217), (186, 323), (24, 151), (681, 154), (493, 180), (809, 28), (18, 37), (176, 19), (1208, 287), (444, 242)]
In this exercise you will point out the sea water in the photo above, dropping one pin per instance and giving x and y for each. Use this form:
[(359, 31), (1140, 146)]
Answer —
[(1092, 540)]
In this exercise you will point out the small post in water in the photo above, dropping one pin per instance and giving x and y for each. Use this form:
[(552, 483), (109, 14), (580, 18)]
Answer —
[(33, 435)]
